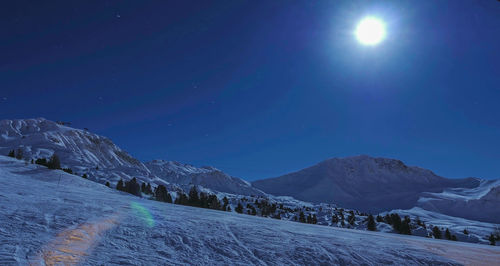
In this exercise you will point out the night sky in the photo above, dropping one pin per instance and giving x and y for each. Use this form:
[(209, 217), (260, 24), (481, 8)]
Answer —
[(262, 88)]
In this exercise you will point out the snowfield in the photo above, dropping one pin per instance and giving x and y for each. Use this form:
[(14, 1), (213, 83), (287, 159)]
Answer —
[(50, 217)]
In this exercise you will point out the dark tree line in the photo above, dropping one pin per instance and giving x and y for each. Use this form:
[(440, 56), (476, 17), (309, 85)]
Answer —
[(52, 163), (400, 226), (193, 198), (310, 218), (202, 200), (130, 186), (18, 154)]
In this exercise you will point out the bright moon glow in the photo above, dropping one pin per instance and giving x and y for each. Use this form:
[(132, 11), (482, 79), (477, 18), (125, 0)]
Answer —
[(370, 31)]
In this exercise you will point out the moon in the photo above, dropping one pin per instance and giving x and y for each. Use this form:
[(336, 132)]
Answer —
[(370, 31)]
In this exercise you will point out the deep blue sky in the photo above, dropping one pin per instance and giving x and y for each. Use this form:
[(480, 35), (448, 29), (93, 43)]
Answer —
[(262, 88)]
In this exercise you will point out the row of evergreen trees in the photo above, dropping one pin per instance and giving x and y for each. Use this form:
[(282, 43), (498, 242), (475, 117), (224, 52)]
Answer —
[(266, 209), (194, 198), (18, 154), (202, 200), (130, 186), (52, 163), (437, 234)]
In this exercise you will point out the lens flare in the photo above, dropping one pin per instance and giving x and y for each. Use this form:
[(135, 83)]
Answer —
[(70, 246), (143, 214)]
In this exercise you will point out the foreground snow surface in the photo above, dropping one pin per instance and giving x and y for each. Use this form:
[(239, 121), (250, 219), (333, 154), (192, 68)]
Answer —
[(49, 217)]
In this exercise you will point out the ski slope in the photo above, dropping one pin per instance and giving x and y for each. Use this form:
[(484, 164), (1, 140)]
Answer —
[(50, 217)]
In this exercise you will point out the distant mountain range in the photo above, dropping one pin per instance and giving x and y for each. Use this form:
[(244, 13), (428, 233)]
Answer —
[(102, 160), (360, 182), (380, 184)]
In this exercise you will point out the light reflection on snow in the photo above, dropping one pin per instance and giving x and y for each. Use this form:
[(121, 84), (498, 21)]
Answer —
[(71, 245), (143, 214)]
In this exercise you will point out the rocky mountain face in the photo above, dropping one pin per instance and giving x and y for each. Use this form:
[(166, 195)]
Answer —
[(380, 184), (186, 175), (102, 160)]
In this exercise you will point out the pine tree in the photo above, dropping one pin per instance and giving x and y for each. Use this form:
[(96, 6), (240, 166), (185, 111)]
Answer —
[(492, 240), (168, 198), (335, 219), (120, 186), (228, 208), (466, 232), (12, 154), (161, 194), (351, 218), (396, 222), (302, 217), (405, 227), (213, 202), (133, 187), (388, 219), (239, 208), (107, 184), (86, 177), (203, 200), (371, 223), (436, 232), (314, 219), (379, 219), (183, 199), (54, 162), (225, 201), (194, 200), (447, 234)]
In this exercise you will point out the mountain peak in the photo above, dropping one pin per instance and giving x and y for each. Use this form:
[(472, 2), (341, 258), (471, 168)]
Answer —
[(362, 182)]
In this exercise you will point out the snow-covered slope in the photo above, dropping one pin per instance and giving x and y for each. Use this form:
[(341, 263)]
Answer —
[(49, 217), (364, 183), (481, 203), (99, 158), (477, 232)]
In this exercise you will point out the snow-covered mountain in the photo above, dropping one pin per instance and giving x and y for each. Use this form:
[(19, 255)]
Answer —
[(480, 203), (380, 184), (186, 175), (102, 160), (53, 218)]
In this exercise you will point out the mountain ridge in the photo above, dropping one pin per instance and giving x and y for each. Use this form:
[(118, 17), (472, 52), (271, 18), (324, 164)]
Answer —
[(103, 161), (377, 184)]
